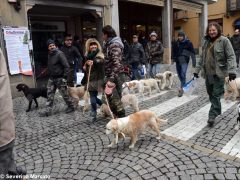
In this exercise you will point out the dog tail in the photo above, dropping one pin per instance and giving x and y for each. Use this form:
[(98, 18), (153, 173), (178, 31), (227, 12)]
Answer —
[(161, 121)]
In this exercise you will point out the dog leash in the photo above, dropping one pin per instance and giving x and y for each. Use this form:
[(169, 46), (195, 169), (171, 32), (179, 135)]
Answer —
[(108, 106)]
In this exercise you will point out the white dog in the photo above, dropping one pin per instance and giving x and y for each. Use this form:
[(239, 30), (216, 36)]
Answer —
[(130, 100), (127, 100), (133, 125), (151, 83), (166, 79), (231, 89)]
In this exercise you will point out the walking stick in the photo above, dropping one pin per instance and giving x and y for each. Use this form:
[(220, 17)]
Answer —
[(86, 95)]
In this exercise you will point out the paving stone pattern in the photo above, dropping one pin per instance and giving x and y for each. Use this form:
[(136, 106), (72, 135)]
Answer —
[(69, 146)]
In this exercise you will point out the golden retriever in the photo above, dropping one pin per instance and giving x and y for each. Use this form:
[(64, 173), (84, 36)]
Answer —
[(133, 125), (77, 93), (231, 89)]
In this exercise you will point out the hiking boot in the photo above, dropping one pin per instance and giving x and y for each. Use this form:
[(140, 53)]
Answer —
[(18, 171), (70, 109), (45, 113), (180, 93), (93, 115), (210, 122)]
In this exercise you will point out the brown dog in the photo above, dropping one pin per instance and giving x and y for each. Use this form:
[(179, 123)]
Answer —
[(133, 125), (77, 93)]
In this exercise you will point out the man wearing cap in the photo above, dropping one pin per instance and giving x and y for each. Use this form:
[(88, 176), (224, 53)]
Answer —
[(58, 69), (182, 51), (136, 57), (235, 40), (154, 54)]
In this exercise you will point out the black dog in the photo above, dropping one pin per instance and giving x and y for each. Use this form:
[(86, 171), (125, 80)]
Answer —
[(32, 94)]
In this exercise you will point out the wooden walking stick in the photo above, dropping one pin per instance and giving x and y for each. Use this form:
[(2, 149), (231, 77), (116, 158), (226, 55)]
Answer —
[(86, 94)]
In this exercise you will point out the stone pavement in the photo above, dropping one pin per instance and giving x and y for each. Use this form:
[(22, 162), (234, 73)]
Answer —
[(67, 146)]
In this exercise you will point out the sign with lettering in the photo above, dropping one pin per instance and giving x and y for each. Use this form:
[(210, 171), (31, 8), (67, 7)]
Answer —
[(17, 46)]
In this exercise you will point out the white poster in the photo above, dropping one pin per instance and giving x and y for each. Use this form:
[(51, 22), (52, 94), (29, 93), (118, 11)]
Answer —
[(17, 40)]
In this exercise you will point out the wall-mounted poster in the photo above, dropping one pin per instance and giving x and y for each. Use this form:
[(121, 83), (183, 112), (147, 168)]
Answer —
[(17, 46)]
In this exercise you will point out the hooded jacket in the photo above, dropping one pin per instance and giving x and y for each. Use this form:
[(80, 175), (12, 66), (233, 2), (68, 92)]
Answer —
[(7, 126), (97, 74), (113, 52), (185, 50), (223, 54), (58, 66)]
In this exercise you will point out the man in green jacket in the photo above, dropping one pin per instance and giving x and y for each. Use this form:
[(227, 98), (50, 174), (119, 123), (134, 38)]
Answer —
[(217, 61)]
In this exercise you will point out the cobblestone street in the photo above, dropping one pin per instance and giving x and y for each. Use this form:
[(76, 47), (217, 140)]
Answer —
[(68, 146)]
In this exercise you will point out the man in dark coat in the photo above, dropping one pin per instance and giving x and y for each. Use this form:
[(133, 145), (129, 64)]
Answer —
[(72, 54), (136, 57), (235, 40), (182, 51), (58, 69)]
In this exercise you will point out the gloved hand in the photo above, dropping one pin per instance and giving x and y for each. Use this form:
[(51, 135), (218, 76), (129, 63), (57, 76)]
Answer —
[(232, 76), (195, 75)]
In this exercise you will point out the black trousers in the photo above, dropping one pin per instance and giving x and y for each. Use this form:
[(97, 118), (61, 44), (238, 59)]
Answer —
[(7, 162)]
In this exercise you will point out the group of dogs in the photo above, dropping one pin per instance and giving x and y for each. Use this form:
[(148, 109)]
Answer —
[(131, 125), (139, 121)]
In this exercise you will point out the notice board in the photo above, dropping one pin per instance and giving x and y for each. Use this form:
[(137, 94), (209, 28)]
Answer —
[(17, 47)]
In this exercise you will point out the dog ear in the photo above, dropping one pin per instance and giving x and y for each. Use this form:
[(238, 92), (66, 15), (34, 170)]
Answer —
[(115, 125)]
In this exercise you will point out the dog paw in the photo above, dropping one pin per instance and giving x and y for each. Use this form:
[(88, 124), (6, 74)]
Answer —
[(131, 146), (158, 137), (110, 145), (236, 128)]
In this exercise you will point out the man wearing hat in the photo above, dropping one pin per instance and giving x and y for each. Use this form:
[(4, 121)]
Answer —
[(136, 57), (182, 51), (58, 69), (154, 54)]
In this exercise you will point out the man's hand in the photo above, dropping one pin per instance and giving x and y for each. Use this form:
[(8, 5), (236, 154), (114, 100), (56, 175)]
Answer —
[(232, 76), (195, 75)]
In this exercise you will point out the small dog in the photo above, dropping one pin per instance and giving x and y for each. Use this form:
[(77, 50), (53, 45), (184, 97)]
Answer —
[(238, 118), (32, 94), (130, 100), (127, 100), (150, 83), (133, 125), (231, 89), (166, 79), (77, 93)]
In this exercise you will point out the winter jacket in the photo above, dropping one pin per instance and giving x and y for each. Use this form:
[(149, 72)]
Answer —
[(72, 54), (154, 52), (182, 51), (113, 53), (223, 54), (97, 70), (7, 126), (136, 54), (58, 66), (235, 40)]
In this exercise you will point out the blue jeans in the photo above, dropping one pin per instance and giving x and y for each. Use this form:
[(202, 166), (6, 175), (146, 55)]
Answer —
[(136, 72), (182, 71), (94, 100), (153, 69)]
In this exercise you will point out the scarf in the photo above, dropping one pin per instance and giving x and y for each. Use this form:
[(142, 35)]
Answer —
[(91, 55)]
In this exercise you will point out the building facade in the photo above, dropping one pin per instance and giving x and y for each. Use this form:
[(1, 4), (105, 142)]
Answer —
[(52, 19)]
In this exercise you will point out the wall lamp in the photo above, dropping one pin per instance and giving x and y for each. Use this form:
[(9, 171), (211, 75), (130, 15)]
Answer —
[(16, 4)]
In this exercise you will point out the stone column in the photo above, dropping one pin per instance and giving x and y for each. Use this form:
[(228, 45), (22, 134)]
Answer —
[(115, 16), (203, 22), (167, 20)]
